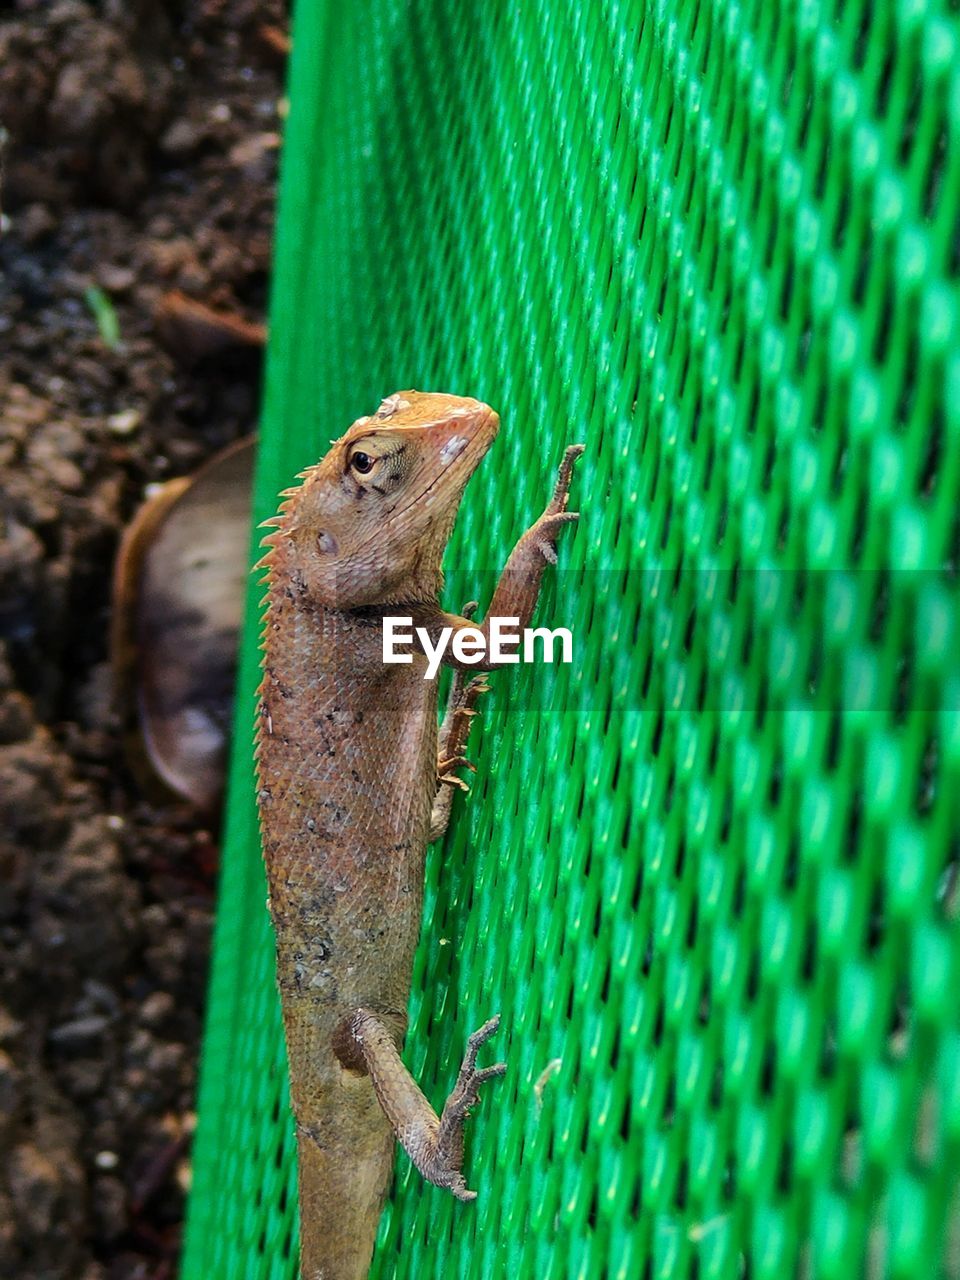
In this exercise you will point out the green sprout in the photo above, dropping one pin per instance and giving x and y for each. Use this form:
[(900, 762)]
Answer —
[(105, 315)]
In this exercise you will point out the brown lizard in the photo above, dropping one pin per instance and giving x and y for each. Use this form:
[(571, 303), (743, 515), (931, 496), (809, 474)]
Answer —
[(350, 793)]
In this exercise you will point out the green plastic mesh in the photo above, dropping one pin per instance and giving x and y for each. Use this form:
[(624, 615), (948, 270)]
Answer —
[(713, 878)]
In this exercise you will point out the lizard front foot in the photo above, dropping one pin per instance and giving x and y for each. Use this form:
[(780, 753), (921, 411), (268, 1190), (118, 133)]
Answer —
[(544, 532)]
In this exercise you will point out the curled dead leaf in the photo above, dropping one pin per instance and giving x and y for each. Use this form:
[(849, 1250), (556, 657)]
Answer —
[(178, 592), (193, 331)]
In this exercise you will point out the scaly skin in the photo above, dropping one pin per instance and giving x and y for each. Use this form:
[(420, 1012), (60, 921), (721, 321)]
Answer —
[(349, 794)]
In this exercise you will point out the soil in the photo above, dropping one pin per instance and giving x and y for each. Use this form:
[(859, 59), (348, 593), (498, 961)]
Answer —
[(139, 161)]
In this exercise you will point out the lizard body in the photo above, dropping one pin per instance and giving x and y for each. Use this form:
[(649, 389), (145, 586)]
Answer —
[(350, 793)]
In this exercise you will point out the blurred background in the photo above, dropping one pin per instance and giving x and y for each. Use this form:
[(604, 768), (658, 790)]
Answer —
[(138, 166)]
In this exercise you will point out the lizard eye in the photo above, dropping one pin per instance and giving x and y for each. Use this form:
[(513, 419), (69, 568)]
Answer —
[(362, 462)]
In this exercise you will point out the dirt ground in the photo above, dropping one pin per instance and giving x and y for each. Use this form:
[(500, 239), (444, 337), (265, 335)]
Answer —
[(139, 158)]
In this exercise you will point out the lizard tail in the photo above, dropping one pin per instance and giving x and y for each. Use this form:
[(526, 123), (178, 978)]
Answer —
[(341, 1195)]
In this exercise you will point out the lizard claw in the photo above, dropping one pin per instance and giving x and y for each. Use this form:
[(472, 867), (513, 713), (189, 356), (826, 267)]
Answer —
[(456, 762), (461, 709), (452, 780)]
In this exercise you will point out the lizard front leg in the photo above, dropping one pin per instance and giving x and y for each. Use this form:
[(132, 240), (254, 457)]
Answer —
[(519, 584), (434, 1143)]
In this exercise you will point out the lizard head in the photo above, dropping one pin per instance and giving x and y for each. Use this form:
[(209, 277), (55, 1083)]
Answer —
[(371, 520)]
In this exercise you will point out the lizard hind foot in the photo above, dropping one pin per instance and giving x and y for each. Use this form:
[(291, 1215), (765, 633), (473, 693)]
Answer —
[(434, 1143), (447, 1159)]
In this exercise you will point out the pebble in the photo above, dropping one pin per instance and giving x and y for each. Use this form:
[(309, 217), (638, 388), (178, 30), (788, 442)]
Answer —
[(79, 1032), (125, 422), (157, 1007), (181, 138), (35, 223), (116, 279)]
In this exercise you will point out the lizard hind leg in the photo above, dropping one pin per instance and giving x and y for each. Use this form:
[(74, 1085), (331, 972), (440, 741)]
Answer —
[(434, 1143)]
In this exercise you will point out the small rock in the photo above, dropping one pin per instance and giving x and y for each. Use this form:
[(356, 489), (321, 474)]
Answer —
[(66, 475), (249, 153), (125, 422), (181, 138), (35, 223), (164, 1063), (139, 1047), (56, 450), (194, 277), (161, 226), (157, 1008), (116, 279), (75, 106), (23, 409), (80, 1032), (171, 255)]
